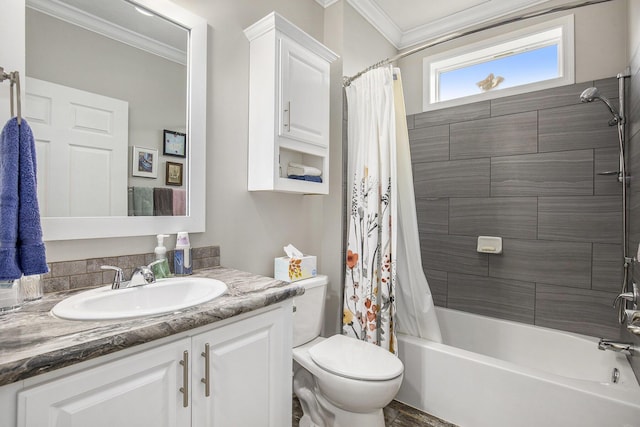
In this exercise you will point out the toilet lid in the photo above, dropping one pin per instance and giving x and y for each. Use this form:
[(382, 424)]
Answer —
[(352, 358)]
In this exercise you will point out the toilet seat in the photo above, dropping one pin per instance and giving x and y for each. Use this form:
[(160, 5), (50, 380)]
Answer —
[(355, 359)]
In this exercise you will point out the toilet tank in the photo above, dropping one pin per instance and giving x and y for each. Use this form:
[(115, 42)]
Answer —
[(309, 310)]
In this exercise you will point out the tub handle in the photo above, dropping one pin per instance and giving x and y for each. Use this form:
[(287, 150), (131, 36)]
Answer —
[(633, 321), (631, 296)]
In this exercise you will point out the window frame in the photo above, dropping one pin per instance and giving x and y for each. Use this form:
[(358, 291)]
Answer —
[(558, 31)]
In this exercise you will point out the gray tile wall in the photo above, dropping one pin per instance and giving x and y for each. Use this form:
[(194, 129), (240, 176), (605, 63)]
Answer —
[(84, 273), (523, 168), (633, 162)]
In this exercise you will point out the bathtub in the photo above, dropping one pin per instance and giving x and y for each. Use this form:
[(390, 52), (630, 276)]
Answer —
[(496, 373)]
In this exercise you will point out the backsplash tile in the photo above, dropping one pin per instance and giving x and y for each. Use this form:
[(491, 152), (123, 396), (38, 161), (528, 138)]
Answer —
[(68, 268), (68, 275)]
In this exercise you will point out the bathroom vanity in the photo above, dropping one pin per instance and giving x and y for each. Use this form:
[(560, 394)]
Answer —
[(225, 362)]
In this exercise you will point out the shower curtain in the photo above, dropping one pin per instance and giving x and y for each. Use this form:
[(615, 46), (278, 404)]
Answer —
[(416, 316), (376, 253)]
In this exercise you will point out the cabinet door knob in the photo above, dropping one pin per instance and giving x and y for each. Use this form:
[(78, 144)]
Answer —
[(185, 379), (207, 372)]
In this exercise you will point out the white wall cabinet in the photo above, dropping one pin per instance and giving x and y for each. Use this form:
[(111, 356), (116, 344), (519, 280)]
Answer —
[(288, 106), (235, 375)]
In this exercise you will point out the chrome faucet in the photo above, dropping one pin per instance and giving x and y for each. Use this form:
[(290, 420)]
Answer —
[(619, 347), (142, 275), (118, 278), (632, 296)]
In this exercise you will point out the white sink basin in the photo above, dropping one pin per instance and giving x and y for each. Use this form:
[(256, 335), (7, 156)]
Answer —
[(163, 296)]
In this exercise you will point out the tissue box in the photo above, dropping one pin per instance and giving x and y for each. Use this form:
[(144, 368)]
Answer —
[(292, 269)]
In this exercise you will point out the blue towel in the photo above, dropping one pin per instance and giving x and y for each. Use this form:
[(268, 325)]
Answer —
[(21, 247), (311, 178)]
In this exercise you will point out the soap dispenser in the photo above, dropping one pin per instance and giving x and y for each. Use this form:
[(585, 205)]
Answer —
[(160, 250)]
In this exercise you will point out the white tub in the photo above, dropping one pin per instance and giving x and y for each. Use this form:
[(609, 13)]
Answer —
[(496, 373)]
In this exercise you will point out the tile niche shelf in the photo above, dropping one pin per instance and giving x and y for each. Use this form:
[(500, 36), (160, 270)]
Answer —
[(288, 106)]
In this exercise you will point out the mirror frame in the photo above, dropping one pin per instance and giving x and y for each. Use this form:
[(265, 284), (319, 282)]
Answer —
[(71, 228)]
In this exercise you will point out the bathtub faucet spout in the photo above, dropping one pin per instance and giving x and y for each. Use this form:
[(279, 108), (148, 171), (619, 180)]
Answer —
[(620, 347)]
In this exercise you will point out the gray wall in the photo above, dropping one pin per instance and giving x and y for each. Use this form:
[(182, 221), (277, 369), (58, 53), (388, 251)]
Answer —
[(154, 87), (596, 56), (522, 168)]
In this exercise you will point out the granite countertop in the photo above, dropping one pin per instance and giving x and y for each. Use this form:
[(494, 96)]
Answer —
[(34, 342)]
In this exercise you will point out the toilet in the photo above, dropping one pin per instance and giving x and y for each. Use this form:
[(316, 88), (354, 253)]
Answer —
[(340, 381)]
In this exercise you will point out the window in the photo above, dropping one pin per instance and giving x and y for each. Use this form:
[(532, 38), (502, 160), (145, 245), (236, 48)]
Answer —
[(533, 58)]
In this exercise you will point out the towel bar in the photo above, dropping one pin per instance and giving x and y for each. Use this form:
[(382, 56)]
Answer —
[(14, 78)]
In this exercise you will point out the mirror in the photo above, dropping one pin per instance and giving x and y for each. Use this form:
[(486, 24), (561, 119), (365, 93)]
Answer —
[(138, 76)]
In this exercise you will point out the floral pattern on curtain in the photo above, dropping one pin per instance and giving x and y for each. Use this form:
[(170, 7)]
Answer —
[(370, 277)]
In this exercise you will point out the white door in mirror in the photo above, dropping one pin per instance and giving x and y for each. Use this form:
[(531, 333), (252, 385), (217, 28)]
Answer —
[(82, 141)]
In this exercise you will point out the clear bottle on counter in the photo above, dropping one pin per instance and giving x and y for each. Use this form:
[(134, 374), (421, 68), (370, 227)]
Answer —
[(31, 287), (10, 296)]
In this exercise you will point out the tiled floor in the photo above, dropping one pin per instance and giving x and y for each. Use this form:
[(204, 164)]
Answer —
[(396, 414)]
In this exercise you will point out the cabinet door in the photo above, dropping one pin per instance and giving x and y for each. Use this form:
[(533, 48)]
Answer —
[(304, 95), (136, 391), (249, 373)]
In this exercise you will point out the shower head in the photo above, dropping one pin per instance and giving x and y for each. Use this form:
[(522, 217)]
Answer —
[(591, 94)]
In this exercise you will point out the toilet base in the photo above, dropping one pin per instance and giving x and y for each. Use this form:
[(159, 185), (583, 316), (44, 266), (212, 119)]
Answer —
[(320, 412)]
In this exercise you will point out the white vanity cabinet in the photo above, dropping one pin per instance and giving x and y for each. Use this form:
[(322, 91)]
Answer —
[(139, 390), (249, 373), (247, 381), (288, 106)]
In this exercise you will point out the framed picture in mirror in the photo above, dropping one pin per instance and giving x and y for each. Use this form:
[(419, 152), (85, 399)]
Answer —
[(174, 144), (174, 174), (144, 162)]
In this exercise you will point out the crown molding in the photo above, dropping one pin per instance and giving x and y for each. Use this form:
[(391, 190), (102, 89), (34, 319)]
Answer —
[(108, 29), (276, 22), (434, 29), (379, 19), (326, 3)]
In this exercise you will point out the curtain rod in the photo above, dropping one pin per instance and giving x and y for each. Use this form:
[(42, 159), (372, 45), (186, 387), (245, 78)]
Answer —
[(346, 81)]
